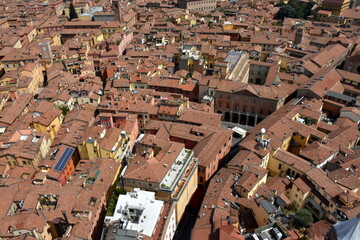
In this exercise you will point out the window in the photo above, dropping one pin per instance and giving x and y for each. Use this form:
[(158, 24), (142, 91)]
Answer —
[(92, 201), (280, 166)]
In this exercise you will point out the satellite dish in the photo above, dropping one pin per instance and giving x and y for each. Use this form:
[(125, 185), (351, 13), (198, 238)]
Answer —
[(263, 130)]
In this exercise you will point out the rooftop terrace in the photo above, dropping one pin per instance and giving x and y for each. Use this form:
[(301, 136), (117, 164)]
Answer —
[(176, 170)]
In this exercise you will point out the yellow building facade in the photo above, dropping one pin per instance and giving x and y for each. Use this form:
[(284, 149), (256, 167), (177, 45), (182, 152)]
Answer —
[(186, 192), (180, 194), (91, 149), (336, 7), (50, 129)]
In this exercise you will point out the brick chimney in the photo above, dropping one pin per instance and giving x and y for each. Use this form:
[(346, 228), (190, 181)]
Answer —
[(13, 94)]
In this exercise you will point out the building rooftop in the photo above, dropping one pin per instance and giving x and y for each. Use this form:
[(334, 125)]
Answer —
[(177, 169), (137, 210), (233, 57), (92, 10)]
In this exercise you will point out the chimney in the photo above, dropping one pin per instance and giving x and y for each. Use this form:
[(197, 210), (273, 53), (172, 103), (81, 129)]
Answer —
[(149, 154), (14, 95)]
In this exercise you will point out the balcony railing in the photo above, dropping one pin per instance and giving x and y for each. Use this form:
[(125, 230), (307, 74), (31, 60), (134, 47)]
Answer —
[(315, 208)]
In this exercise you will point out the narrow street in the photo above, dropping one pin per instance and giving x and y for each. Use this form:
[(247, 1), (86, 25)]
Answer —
[(187, 223)]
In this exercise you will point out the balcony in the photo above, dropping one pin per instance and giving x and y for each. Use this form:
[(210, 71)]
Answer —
[(315, 208)]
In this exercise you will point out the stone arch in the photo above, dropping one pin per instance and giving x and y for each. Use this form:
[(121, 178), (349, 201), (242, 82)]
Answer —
[(227, 117), (235, 118)]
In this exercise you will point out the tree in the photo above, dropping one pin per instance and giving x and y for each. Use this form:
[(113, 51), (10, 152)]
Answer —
[(304, 217), (308, 8), (277, 23), (280, 4), (285, 11), (294, 9), (119, 191), (64, 109), (72, 12)]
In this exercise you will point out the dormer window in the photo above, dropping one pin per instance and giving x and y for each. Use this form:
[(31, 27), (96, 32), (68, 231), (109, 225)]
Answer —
[(92, 201), (47, 201)]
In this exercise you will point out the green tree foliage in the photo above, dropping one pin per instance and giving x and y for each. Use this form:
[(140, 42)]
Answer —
[(308, 8), (304, 217), (285, 11), (294, 9), (72, 12), (280, 4), (277, 23), (110, 209), (119, 191), (64, 109)]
